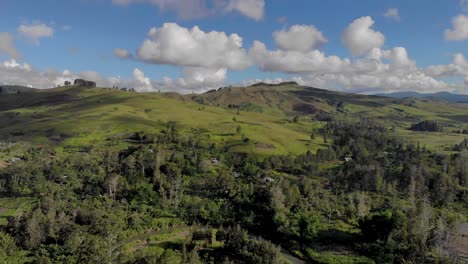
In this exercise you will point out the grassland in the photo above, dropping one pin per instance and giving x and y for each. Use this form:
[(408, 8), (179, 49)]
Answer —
[(72, 116)]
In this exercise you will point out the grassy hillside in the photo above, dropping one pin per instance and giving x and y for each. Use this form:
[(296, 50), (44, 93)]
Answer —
[(104, 193), (80, 116), (16, 89), (255, 119), (291, 99)]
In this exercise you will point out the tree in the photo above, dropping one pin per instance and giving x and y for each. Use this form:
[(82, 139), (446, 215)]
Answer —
[(169, 256), (9, 252), (112, 183), (376, 226), (427, 125), (296, 119), (194, 258), (309, 225)]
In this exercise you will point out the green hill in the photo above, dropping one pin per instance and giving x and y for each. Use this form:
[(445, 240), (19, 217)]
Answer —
[(255, 119), (16, 89)]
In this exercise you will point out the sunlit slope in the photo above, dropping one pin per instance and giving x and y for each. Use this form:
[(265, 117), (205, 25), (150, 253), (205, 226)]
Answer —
[(80, 116), (291, 99), (255, 119)]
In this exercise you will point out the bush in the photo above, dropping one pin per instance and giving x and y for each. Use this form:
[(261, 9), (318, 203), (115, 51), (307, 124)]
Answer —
[(430, 126)]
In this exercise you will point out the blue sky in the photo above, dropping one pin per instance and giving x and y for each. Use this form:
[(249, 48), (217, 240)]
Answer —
[(84, 34)]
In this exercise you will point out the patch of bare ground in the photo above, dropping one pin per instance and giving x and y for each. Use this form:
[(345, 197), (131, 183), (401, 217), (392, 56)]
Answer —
[(264, 146), (458, 245), (4, 164)]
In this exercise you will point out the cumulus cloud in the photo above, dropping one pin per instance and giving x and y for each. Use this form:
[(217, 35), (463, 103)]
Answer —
[(381, 70), (360, 38), (190, 9), (35, 31), (144, 83), (7, 47), (460, 29), (200, 77), (458, 68), (191, 78), (299, 38), (121, 53), (14, 64), (250, 8), (392, 13), (175, 45), (294, 61), (205, 58)]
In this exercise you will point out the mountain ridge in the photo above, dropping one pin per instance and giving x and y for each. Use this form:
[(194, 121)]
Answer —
[(446, 96)]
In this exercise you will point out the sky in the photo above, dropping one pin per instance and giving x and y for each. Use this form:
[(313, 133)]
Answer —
[(362, 46)]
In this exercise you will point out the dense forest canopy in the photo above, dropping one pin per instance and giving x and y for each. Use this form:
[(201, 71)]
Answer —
[(389, 202)]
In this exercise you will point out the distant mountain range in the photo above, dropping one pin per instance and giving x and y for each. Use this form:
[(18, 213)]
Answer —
[(15, 89), (446, 96)]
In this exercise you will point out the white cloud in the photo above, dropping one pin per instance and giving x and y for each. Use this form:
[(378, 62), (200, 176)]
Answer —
[(200, 77), (299, 38), (460, 29), (254, 9), (35, 31), (458, 68), (175, 45), (191, 79), (143, 82), (7, 46), (121, 53), (190, 9), (360, 38), (294, 61), (392, 13), (382, 70), (13, 64)]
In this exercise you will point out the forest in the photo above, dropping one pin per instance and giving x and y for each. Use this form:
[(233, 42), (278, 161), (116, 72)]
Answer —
[(177, 197)]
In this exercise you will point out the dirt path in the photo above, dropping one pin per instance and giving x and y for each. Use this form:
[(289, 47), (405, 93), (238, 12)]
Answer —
[(289, 257), (459, 245), (3, 164)]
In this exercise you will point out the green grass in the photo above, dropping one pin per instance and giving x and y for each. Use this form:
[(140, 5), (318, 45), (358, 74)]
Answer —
[(73, 117), (336, 258), (100, 113), (13, 207)]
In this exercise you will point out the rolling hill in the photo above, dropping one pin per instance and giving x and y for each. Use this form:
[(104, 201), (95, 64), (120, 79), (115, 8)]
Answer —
[(255, 119), (16, 89), (446, 96)]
